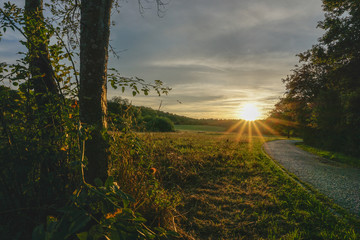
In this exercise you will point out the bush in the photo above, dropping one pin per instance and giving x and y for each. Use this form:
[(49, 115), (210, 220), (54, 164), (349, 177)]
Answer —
[(160, 124)]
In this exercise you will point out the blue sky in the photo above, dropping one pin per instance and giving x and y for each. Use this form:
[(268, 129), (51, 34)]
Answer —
[(216, 55)]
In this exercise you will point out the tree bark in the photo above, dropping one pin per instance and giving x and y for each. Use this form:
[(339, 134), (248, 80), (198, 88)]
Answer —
[(43, 79), (94, 42), (43, 82)]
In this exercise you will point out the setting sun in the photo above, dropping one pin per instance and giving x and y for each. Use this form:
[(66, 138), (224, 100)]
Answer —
[(249, 112)]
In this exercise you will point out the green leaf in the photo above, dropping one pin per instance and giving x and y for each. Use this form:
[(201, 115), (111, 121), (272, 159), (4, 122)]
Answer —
[(122, 195), (109, 181), (139, 219), (82, 236)]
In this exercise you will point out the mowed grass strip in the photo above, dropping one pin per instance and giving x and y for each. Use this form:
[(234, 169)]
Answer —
[(231, 190), (333, 156)]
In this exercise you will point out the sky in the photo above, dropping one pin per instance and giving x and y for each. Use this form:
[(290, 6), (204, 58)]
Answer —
[(217, 56)]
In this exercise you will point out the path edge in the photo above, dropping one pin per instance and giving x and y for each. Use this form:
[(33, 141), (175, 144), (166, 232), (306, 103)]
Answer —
[(335, 209)]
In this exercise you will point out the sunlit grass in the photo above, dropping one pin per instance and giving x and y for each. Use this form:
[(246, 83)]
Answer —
[(334, 156), (233, 191), (252, 128), (240, 128), (199, 128)]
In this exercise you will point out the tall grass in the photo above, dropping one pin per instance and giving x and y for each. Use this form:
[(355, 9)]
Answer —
[(225, 187)]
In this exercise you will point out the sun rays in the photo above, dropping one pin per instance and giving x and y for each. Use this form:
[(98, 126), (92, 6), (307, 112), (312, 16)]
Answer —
[(246, 130), (251, 127)]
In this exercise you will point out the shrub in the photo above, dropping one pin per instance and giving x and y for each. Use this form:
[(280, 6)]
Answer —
[(160, 124)]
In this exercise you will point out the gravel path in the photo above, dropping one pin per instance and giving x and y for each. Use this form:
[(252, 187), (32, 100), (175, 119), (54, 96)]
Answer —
[(340, 183)]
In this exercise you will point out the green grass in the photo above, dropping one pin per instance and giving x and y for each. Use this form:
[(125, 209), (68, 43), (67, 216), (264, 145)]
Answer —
[(334, 156), (199, 128), (230, 189)]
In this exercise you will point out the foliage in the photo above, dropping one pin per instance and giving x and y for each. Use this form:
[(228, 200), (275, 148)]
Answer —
[(43, 192), (136, 84), (283, 118), (39, 142), (176, 119), (97, 213), (122, 115), (122, 112), (159, 124), (126, 116), (133, 160), (323, 93)]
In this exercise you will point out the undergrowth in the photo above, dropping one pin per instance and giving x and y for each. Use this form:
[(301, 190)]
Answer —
[(43, 193), (43, 190)]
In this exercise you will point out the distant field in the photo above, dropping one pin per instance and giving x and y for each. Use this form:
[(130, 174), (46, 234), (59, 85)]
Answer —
[(199, 128)]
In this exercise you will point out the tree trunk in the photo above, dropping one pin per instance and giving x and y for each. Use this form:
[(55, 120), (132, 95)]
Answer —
[(94, 42), (46, 92), (43, 79)]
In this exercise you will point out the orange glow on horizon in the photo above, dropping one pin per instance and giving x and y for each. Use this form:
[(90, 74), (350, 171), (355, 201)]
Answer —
[(282, 122), (272, 131), (248, 129), (241, 131)]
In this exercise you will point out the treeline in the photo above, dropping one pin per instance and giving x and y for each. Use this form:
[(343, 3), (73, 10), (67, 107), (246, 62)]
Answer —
[(123, 115), (322, 101)]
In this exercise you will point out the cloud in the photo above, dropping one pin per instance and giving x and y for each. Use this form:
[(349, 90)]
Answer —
[(216, 55), (9, 49)]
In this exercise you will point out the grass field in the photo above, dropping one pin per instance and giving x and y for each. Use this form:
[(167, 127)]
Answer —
[(336, 157), (199, 128), (227, 188)]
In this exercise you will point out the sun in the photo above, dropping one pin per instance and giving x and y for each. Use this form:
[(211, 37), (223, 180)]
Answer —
[(249, 112)]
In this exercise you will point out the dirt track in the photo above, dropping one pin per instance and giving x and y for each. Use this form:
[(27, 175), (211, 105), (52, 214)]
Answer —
[(338, 182)]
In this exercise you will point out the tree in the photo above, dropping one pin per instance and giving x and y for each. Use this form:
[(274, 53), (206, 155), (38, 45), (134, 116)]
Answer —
[(43, 78), (40, 176), (43, 81), (283, 117), (326, 87), (94, 41)]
